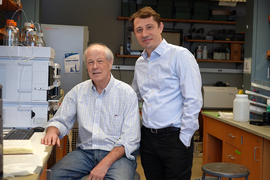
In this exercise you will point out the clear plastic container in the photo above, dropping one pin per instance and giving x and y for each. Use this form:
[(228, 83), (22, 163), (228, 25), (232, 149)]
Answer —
[(26, 33), (40, 42), (9, 33), (241, 108)]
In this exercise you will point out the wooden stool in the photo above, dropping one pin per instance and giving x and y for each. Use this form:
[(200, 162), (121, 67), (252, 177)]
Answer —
[(227, 170)]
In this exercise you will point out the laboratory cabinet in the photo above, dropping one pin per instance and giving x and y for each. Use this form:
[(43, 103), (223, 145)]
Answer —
[(236, 142)]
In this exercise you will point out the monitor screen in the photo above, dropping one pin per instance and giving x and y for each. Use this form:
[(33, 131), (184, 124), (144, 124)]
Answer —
[(173, 36)]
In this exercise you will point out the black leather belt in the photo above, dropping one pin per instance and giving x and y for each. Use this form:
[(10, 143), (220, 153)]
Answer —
[(163, 130)]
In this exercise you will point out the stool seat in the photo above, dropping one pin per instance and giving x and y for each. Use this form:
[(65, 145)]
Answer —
[(227, 170)]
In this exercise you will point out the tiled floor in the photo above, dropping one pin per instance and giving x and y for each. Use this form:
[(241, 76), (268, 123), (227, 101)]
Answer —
[(196, 169)]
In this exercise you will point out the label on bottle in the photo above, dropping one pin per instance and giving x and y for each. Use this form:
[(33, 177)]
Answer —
[(199, 54)]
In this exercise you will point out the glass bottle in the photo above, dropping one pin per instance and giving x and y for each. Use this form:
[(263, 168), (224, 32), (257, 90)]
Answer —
[(32, 39), (26, 33), (16, 35), (40, 42), (9, 33)]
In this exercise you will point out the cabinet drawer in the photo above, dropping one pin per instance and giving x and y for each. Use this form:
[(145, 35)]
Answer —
[(213, 127), (231, 154), (233, 136)]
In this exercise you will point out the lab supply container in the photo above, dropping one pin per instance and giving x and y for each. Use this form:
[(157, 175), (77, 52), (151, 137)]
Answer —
[(40, 41), (9, 33), (25, 34), (241, 108)]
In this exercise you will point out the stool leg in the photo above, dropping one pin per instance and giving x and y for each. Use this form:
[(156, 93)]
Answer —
[(246, 178), (219, 178), (203, 176), (230, 178)]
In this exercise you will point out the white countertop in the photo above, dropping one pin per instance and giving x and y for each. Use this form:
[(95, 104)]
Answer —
[(262, 131), (26, 165)]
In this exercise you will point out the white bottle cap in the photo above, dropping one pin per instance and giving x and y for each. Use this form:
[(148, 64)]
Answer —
[(39, 34), (33, 32), (27, 24)]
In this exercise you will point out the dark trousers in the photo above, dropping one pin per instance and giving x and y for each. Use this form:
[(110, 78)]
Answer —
[(164, 156)]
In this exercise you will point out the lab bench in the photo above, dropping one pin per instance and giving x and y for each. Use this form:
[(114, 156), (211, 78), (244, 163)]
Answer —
[(226, 140)]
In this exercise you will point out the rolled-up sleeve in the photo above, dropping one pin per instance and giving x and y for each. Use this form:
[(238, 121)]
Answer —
[(130, 133)]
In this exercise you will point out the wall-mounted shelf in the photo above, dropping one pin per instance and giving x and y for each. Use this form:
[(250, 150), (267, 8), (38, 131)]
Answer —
[(9, 5), (187, 21), (202, 70), (126, 56), (199, 60), (214, 41)]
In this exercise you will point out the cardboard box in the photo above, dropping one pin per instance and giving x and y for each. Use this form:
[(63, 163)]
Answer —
[(221, 12), (182, 15), (200, 16), (150, 2), (165, 2), (180, 9), (125, 9), (132, 8), (201, 10), (236, 52), (198, 4), (166, 15), (219, 18), (184, 3)]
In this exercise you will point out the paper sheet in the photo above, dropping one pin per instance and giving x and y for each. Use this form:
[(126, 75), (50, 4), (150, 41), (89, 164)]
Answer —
[(22, 165), (225, 115), (72, 63)]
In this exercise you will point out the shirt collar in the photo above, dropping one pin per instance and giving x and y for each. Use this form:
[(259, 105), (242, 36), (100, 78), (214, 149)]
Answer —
[(107, 88), (158, 51)]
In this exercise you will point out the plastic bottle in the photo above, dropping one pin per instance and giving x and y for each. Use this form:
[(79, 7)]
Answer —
[(26, 33), (241, 108), (121, 49), (9, 33), (199, 52), (204, 52), (32, 39), (40, 42)]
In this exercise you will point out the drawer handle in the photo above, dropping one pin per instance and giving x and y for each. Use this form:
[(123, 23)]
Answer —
[(255, 154), (231, 135), (231, 157)]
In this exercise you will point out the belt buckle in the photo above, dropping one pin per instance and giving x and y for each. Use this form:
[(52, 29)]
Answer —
[(155, 131)]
